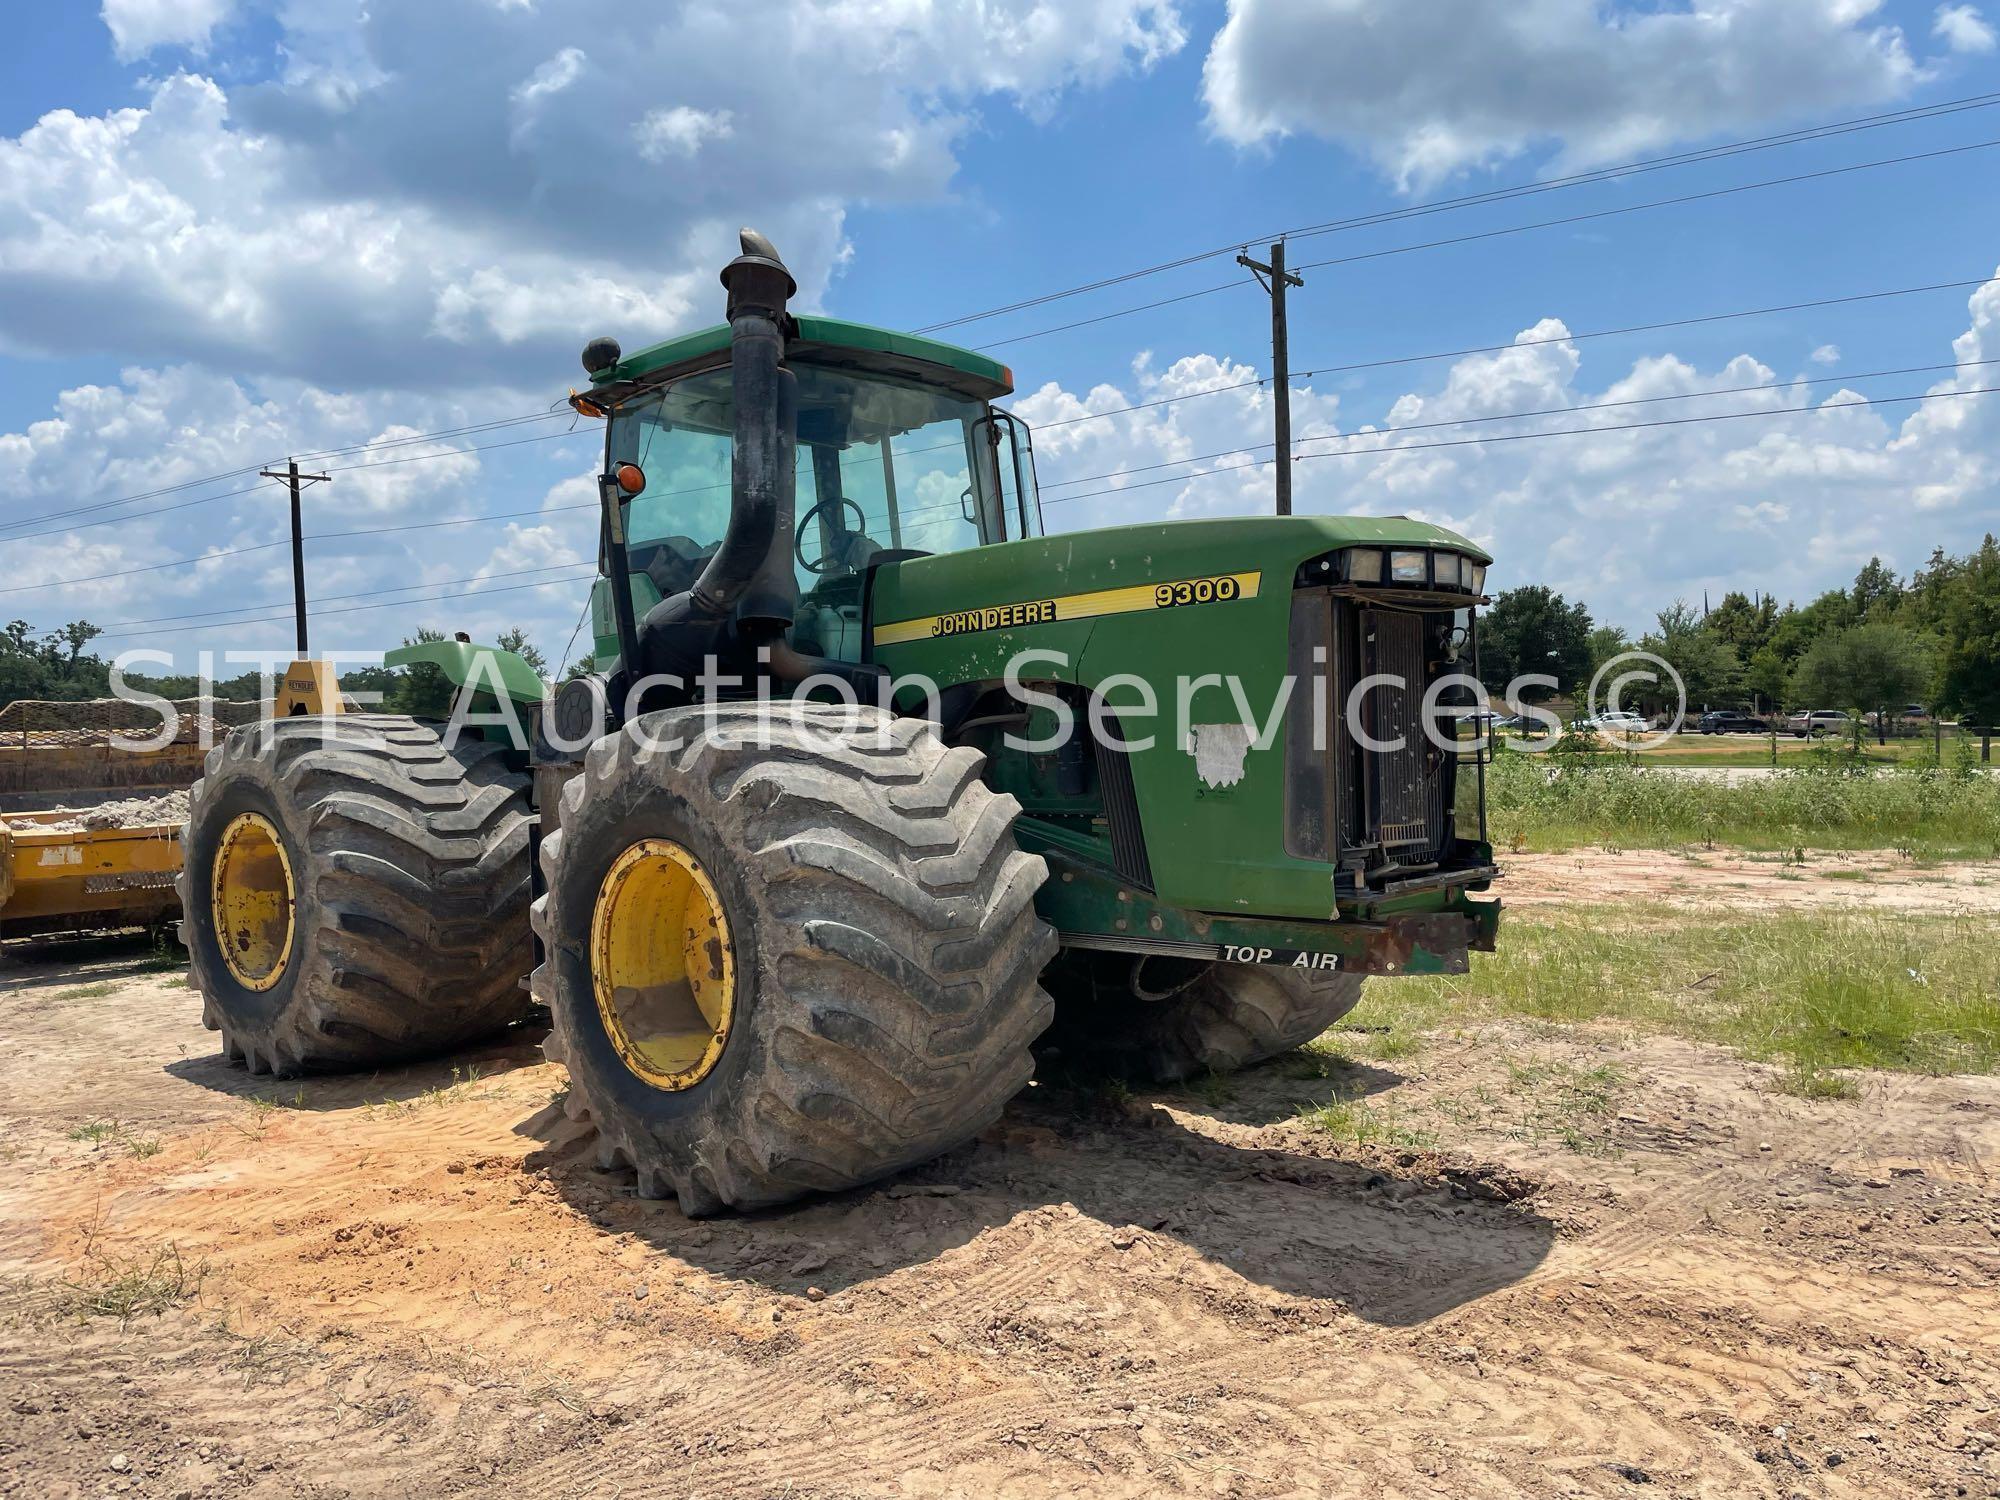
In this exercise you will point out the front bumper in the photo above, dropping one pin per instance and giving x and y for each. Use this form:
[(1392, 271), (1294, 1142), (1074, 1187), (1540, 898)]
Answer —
[(1091, 908)]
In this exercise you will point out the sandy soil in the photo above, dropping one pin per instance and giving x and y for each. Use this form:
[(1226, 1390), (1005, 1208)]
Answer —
[(1872, 879), (1570, 1263)]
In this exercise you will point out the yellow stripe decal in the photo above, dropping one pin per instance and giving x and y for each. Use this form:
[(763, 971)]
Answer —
[(1221, 588)]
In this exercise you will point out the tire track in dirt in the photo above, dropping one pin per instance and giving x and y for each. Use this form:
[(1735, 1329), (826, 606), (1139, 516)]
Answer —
[(1104, 1308)]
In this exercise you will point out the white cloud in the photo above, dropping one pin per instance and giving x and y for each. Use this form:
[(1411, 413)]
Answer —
[(154, 428), (404, 473), (552, 77), (139, 26), (1627, 520), (1428, 90), (1963, 29), (679, 132), (373, 216), (1826, 354)]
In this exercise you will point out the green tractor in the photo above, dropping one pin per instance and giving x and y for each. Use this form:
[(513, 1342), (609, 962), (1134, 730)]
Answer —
[(876, 789)]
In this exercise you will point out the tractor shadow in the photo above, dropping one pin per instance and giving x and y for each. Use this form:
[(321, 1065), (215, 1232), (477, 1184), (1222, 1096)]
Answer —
[(444, 1080), (1070, 1174)]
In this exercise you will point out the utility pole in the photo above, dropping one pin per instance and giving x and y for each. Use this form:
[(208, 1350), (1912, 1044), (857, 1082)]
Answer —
[(293, 479), (1281, 362)]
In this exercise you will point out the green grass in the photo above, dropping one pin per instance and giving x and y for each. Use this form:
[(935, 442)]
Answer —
[(111, 1132), (95, 991), (1356, 1121), (165, 955), (1811, 1083), (1823, 800), (464, 1085), (1811, 991), (1542, 1101), (123, 1289)]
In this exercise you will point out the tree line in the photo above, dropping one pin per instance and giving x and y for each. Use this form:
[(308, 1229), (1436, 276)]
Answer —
[(1933, 639), (58, 666)]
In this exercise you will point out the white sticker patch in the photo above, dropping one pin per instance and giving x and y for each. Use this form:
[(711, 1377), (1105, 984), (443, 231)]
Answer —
[(1218, 751), (61, 854)]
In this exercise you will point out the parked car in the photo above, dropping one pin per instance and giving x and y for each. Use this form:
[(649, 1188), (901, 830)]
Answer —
[(1611, 722), (1911, 716), (1819, 721), (1731, 721)]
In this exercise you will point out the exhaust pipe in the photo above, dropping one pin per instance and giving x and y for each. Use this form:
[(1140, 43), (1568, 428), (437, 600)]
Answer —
[(750, 575)]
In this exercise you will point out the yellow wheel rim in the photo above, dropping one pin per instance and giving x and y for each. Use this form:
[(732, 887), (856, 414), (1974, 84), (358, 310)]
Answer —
[(251, 897), (662, 965)]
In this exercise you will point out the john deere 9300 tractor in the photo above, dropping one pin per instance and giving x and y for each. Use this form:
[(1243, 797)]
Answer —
[(1154, 797)]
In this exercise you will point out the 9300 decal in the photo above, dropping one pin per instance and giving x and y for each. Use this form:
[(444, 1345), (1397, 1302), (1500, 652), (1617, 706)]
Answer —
[(1196, 591)]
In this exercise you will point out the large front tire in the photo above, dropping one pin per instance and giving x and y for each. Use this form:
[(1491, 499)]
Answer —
[(1226, 1017), (354, 893), (846, 908)]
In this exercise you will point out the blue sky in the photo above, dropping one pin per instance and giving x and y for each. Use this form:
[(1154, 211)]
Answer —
[(230, 229)]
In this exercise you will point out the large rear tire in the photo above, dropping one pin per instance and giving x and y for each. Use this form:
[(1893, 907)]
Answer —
[(355, 894), (1226, 1017), (840, 898)]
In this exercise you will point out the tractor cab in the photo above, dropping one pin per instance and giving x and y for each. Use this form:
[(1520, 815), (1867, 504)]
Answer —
[(897, 453)]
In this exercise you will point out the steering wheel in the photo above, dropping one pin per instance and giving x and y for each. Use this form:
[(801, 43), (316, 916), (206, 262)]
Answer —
[(799, 538)]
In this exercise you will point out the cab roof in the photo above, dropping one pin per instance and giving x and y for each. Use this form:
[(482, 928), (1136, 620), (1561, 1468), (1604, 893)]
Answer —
[(822, 341)]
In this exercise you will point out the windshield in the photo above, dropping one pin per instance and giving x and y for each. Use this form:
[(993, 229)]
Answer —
[(883, 466)]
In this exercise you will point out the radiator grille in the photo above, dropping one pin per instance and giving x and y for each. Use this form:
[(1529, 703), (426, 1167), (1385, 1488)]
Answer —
[(1339, 794), (1403, 779)]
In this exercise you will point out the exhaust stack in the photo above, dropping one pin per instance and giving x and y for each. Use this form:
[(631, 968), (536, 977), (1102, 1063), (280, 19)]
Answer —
[(750, 574)]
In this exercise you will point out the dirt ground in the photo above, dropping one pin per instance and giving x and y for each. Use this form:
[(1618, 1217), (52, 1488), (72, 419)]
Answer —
[(1523, 1262), (1875, 880)]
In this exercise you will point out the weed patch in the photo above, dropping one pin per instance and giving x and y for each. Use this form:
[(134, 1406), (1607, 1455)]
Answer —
[(112, 1287), (95, 991), (1814, 991), (1354, 1120), (1825, 800)]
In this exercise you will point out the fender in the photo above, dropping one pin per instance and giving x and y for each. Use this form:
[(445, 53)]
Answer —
[(460, 660)]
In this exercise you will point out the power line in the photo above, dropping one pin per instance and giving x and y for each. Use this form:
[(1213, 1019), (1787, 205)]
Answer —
[(1488, 234), (512, 588), (1673, 202), (559, 410), (188, 484), (168, 489), (161, 510), (316, 536), (1607, 333), (1516, 437), (1546, 411), (1598, 333), (417, 458), (139, 515), (1643, 165), (1497, 195), (216, 614)]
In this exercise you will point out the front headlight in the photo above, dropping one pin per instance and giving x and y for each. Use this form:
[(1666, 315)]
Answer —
[(1475, 576), (1364, 565), (1409, 567), (1444, 570)]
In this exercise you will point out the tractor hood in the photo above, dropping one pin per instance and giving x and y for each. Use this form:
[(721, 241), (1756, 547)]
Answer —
[(1194, 618), (1026, 593)]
